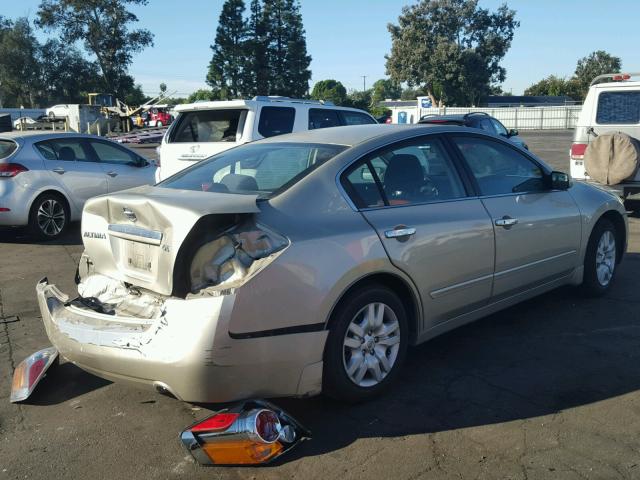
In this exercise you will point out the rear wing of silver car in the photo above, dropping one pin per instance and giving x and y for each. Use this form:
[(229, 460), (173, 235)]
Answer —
[(614, 77)]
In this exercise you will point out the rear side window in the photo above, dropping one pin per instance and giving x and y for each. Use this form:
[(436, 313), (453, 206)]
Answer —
[(616, 108), (207, 126), (276, 121), (7, 147), (63, 149), (356, 118), (323, 118)]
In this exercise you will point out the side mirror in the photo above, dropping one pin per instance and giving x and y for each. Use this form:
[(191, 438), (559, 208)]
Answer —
[(512, 133), (560, 181)]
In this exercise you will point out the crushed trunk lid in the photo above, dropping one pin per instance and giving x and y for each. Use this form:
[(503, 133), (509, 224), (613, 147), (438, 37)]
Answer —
[(135, 235)]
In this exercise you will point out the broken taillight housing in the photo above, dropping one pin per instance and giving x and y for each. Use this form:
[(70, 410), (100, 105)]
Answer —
[(252, 433), (29, 372)]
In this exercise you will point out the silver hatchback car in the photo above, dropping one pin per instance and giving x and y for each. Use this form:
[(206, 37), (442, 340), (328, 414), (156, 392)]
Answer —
[(46, 178), (309, 262)]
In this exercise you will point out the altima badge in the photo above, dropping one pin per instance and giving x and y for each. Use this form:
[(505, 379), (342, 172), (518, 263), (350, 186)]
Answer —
[(129, 214)]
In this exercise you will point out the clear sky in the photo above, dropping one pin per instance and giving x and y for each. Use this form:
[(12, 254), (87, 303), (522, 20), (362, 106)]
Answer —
[(348, 38)]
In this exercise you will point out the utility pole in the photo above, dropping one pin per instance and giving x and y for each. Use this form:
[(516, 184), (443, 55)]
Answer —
[(364, 83)]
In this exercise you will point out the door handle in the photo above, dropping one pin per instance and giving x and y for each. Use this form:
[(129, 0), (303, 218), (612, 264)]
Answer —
[(58, 170), (506, 222), (112, 173), (400, 232)]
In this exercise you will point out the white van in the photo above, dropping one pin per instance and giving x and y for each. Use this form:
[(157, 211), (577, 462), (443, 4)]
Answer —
[(203, 129), (612, 105)]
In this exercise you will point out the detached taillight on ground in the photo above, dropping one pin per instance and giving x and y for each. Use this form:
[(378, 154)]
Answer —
[(29, 372), (251, 433), (11, 169), (577, 151)]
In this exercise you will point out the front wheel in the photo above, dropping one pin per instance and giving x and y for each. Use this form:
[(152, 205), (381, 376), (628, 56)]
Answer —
[(49, 216), (600, 259), (366, 346)]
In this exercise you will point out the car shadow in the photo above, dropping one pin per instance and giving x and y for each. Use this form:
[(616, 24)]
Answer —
[(22, 236), (62, 383), (554, 352)]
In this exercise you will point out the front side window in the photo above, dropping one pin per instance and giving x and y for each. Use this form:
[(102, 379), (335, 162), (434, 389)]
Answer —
[(323, 118), (63, 149), (254, 168), (421, 172), (276, 121), (500, 169), (207, 126), (618, 108), (108, 153), (500, 129), (356, 118)]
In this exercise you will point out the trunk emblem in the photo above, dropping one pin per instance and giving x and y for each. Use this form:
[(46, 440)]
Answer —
[(129, 214)]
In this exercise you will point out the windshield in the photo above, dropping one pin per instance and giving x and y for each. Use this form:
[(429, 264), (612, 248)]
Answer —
[(262, 169)]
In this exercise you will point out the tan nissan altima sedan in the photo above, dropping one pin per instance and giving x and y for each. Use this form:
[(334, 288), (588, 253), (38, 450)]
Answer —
[(308, 263)]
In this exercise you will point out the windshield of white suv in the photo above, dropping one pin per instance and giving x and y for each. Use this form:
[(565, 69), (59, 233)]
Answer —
[(262, 169), (206, 126)]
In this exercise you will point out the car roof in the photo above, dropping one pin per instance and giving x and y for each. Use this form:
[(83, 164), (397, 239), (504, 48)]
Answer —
[(269, 101), (456, 117), (356, 134), (38, 136)]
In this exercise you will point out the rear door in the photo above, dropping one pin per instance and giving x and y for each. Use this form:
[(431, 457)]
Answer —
[(122, 168), (537, 230), (72, 166), (413, 195)]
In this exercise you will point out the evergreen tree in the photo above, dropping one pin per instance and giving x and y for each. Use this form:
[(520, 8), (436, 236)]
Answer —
[(226, 70), (256, 74), (286, 48)]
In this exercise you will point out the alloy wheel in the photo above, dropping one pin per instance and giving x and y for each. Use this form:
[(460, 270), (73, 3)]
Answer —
[(606, 257), (371, 344), (51, 217)]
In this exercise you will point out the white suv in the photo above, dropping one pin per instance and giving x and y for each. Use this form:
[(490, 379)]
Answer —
[(203, 129), (612, 105)]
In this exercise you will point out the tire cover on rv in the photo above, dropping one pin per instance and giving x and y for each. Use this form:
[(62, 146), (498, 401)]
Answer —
[(611, 158)]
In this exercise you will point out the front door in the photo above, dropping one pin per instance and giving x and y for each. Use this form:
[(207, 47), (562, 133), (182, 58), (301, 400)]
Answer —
[(122, 168), (412, 195), (537, 229)]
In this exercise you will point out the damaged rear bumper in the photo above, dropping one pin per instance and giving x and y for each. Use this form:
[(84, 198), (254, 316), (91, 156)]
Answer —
[(186, 350)]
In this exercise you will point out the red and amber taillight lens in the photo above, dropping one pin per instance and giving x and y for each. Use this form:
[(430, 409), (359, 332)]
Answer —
[(8, 170), (29, 372), (251, 433)]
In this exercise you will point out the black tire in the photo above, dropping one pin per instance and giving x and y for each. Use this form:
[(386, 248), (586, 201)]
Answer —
[(592, 284), (336, 381), (58, 208)]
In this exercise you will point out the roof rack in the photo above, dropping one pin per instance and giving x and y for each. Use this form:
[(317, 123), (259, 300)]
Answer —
[(276, 98), (615, 77), (466, 115)]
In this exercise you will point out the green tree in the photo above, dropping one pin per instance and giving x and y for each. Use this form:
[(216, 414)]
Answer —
[(226, 69), (359, 99), (286, 48), (203, 94), (596, 63), (331, 90), (20, 69), (163, 88), (256, 73), (104, 28), (67, 76), (383, 89), (135, 95), (555, 86), (452, 47)]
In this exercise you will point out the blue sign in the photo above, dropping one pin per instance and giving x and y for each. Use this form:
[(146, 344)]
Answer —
[(402, 117), (426, 102)]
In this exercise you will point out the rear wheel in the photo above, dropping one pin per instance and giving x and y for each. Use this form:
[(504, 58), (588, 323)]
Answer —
[(600, 260), (366, 346), (49, 216)]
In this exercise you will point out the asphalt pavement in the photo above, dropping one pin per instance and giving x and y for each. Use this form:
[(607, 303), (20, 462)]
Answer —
[(547, 389)]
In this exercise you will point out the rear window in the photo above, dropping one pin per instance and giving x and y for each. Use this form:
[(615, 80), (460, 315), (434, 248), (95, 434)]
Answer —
[(356, 118), (276, 121), (617, 108), (7, 147), (254, 168), (323, 118), (207, 126)]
